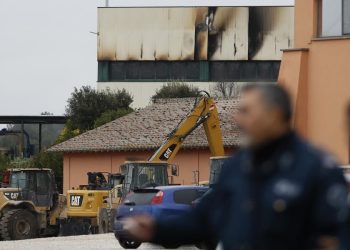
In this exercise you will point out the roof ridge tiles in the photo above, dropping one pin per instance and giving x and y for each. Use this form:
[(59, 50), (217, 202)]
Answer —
[(146, 129)]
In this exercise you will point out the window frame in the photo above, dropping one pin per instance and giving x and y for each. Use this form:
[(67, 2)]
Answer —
[(320, 21), (205, 71), (343, 19)]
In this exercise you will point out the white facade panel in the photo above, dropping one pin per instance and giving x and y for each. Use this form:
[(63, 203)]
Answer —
[(201, 33), (229, 34), (146, 34), (275, 32), (142, 92), (193, 3)]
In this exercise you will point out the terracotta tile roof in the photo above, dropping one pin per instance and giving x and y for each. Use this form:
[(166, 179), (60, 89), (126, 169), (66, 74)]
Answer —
[(147, 128)]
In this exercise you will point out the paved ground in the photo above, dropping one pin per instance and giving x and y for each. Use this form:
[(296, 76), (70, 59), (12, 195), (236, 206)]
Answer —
[(100, 241)]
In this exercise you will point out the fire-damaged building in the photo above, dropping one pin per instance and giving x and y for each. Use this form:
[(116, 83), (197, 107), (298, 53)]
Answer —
[(140, 49)]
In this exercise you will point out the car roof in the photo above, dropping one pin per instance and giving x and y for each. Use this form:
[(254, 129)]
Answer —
[(178, 187)]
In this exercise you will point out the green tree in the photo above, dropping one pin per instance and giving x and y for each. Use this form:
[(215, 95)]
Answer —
[(176, 90), (111, 115), (86, 105), (4, 164), (43, 159), (67, 132)]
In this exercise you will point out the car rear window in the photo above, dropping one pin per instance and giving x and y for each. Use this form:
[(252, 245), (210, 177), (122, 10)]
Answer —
[(140, 197), (187, 196)]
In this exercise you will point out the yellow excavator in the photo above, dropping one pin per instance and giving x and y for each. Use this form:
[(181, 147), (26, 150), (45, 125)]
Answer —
[(92, 210)]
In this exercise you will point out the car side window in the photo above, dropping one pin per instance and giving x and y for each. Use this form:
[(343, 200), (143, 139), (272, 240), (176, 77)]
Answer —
[(186, 196), (201, 192)]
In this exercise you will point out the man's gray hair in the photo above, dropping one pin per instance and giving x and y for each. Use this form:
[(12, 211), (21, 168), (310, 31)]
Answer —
[(274, 95)]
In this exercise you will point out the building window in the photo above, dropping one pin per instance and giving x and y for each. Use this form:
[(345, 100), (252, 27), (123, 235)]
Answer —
[(191, 71), (334, 18), (346, 17)]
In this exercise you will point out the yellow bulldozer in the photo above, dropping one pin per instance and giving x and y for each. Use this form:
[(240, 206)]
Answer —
[(89, 206), (92, 210), (30, 204)]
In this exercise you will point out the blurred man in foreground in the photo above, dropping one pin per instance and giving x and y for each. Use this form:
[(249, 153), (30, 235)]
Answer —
[(277, 193)]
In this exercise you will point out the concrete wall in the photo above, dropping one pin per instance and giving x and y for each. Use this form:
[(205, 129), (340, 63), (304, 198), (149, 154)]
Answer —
[(76, 165), (318, 75)]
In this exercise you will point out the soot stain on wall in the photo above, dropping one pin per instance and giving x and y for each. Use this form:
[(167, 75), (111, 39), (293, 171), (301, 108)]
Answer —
[(255, 34)]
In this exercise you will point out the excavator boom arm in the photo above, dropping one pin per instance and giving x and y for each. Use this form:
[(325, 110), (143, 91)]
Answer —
[(204, 112)]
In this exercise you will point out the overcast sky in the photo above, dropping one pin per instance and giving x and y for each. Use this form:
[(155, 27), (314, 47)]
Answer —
[(46, 49)]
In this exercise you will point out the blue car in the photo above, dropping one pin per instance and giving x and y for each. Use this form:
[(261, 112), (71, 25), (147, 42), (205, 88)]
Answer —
[(158, 201)]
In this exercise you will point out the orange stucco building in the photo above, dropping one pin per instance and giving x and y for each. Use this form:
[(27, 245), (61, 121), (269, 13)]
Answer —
[(137, 136), (193, 165), (317, 73)]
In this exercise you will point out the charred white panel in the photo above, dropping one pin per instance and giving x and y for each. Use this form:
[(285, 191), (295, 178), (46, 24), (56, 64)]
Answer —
[(199, 33), (228, 33), (181, 36), (193, 3), (151, 34), (271, 29)]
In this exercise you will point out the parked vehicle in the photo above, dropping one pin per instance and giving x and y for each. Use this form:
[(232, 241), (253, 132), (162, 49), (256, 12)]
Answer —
[(89, 208), (158, 201), (30, 204)]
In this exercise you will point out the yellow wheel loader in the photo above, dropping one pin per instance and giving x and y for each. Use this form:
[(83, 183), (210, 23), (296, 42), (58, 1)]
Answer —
[(89, 207), (30, 204)]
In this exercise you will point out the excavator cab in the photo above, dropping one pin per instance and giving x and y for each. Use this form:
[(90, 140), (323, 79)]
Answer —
[(144, 174), (37, 185), (97, 181), (102, 181), (216, 164)]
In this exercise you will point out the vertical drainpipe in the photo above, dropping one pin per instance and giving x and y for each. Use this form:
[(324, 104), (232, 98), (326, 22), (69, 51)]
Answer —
[(111, 171), (198, 167), (40, 127), (69, 172), (22, 139)]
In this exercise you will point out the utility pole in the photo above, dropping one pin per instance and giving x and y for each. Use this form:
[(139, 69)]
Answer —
[(107, 3), (40, 135), (22, 139)]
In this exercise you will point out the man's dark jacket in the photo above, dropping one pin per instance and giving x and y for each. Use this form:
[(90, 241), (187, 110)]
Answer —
[(285, 195)]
